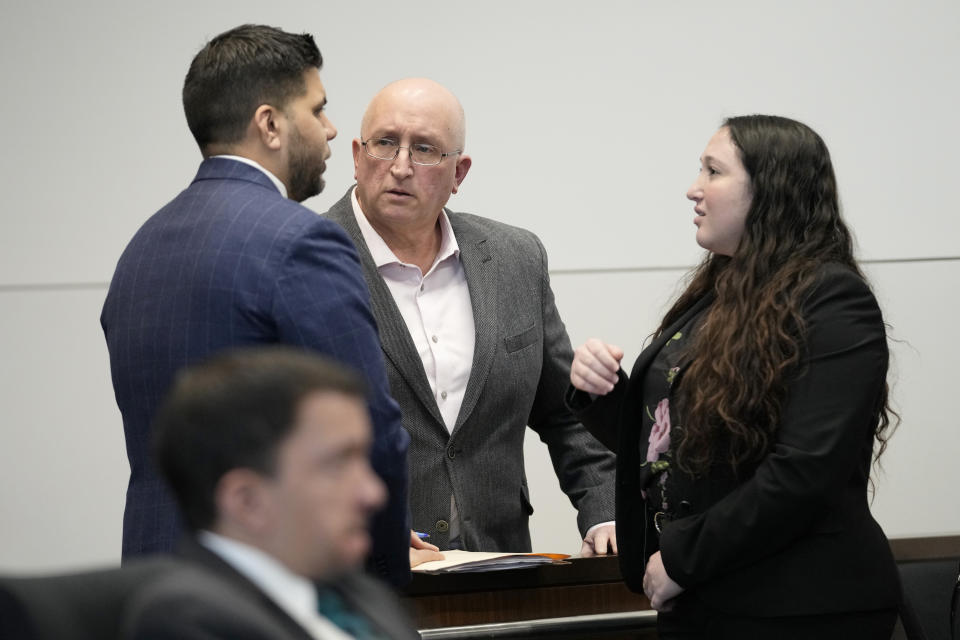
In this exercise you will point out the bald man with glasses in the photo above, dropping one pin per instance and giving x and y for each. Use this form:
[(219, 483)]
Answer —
[(474, 345)]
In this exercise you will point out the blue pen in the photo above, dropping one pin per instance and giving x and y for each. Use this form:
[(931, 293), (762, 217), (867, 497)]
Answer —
[(421, 535)]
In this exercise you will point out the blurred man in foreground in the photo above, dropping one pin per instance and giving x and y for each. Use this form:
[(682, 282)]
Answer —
[(267, 454)]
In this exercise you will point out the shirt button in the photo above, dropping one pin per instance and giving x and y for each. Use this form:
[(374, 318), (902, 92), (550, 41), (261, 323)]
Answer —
[(421, 287), (435, 339), (443, 394)]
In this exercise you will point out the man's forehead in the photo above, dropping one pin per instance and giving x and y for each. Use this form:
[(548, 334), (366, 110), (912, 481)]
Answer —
[(332, 415), (419, 113), (313, 83)]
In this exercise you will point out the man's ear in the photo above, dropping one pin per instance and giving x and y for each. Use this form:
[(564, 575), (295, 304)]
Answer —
[(463, 166), (242, 499), (357, 150), (268, 122)]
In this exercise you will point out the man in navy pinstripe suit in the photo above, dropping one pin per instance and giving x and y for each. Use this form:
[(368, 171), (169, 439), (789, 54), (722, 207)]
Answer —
[(236, 260)]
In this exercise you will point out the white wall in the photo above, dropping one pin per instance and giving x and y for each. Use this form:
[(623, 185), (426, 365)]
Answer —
[(585, 125)]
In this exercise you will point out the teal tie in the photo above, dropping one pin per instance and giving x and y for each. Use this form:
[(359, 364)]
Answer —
[(333, 607)]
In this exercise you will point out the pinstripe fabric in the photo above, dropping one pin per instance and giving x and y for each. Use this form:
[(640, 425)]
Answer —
[(231, 262), (519, 375)]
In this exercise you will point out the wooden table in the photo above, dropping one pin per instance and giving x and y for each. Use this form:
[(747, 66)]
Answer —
[(583, 599), (548, 594)]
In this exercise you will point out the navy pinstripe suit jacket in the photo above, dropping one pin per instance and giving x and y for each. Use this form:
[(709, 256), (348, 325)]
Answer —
[(230, 262)]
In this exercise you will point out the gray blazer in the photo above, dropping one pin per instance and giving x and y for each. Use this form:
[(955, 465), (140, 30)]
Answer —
[(521, 368)]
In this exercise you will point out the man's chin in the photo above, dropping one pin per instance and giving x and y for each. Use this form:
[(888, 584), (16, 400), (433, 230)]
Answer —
[(354, 550), (314, 189)]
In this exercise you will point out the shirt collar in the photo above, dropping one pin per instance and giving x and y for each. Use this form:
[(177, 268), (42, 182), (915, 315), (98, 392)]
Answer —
[(383, 255), (294, 593), (282, 188)]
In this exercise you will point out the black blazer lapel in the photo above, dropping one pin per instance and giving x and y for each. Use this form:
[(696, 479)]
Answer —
[(647, 355)]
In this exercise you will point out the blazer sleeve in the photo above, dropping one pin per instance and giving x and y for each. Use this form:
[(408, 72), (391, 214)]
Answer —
[(322, 303), (585, 468), (822, 449), (600, 415)]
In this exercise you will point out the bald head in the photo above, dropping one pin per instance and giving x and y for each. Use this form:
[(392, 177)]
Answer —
[(420, 97)]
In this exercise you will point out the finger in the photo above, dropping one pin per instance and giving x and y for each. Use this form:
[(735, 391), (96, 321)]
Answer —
[(608, 355), (416, 542), (596, 355), (586, 549), (590, 372), (588, 381), (615, 352), (419, 556), (654, 602), (600, 542)]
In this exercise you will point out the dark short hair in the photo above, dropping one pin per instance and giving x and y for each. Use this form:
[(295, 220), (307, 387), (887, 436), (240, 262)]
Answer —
[(234, 411), (238, 71)]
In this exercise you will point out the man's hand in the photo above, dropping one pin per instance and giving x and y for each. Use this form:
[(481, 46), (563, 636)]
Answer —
[(595, 367), (421, 551), (658, 586), (599, 541)]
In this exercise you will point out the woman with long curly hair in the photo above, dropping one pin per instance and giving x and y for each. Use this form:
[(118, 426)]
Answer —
[(746, 430)]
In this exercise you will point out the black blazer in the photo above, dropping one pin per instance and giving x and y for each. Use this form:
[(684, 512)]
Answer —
[(796, 536), (207, 599)]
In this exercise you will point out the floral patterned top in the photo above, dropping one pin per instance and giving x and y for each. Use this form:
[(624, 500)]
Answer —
[(661, 421)]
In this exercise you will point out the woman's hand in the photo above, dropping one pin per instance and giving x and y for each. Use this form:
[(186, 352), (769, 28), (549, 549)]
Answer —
[(658, 586), (595, 367)]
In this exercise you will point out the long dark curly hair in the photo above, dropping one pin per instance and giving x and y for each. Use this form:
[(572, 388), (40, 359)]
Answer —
[(750, 343)]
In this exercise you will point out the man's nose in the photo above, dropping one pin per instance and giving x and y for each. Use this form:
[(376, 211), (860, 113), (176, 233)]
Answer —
[(330, 129), (372, 490), (403, 163)]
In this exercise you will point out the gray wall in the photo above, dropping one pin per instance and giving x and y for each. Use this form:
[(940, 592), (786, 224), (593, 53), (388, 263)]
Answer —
[(585, 124)]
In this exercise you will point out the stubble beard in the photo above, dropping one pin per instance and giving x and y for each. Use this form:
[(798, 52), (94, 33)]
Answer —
[(306, 171)]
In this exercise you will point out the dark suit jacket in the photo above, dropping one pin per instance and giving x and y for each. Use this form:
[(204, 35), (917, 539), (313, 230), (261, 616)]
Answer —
[(207, 598), (520, 370), (795, 537), (230, 262)]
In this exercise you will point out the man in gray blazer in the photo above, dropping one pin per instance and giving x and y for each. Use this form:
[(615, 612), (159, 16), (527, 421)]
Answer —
[(266, 451), (474, 345)]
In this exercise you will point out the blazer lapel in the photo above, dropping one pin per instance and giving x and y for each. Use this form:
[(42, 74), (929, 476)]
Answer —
[(395, 339), (191, 550), (647, 355), (480, 270)]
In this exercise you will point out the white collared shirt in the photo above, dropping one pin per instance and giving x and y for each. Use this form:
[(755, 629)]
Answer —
[(282, 188), (293, 593), (436, 309)]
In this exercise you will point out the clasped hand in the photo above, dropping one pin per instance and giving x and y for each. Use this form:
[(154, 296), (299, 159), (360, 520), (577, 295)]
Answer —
[(658, 586), (596, 367)]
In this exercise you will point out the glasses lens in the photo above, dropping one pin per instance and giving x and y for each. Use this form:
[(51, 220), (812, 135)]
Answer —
[(382, 148), (425, 154)]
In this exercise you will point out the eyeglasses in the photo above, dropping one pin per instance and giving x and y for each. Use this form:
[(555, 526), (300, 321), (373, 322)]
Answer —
[(423, 154)]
